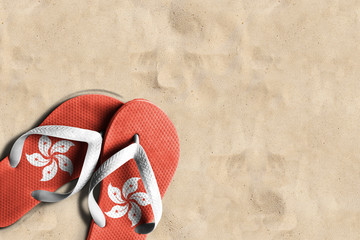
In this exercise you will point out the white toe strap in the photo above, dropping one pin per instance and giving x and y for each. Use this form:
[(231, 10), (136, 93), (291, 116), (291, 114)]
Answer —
[(136, 152), (93, 139)]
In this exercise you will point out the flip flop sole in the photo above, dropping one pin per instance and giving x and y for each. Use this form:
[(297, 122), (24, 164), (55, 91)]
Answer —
[(48, 163), (159, 139)]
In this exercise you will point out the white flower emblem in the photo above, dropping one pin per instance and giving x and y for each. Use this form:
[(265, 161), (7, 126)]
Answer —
[(43, 159), (132, 201)]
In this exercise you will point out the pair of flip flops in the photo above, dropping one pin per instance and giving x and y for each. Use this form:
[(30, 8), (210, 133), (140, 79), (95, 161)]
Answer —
[(131, 149)]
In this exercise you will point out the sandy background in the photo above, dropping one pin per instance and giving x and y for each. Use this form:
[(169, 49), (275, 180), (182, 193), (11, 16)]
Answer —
[(265, 96)]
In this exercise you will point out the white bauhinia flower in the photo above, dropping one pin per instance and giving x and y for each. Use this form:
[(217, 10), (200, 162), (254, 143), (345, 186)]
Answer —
[(55, 158), (130, 203)]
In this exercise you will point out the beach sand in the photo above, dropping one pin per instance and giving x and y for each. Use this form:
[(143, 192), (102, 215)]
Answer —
[(265, 96)]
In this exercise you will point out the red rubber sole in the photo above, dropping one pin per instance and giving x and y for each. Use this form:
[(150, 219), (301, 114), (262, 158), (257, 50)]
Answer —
[(92, 112), (159, 139)]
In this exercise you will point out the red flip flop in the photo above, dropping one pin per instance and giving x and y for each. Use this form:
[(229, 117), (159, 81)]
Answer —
[(139, 158), (66, 146)]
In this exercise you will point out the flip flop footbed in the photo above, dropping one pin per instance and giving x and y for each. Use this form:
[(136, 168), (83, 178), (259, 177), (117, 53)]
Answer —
[(123, 197), (47, 163)]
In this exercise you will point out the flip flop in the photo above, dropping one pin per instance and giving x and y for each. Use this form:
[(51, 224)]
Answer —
[(65, 146), (129, 204)]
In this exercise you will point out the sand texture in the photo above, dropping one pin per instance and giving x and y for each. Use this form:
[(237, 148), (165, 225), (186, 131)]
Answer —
[(265, 96)]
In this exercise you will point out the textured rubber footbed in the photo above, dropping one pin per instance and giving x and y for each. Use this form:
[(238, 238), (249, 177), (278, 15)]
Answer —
[(92, 112), (159, 139)]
